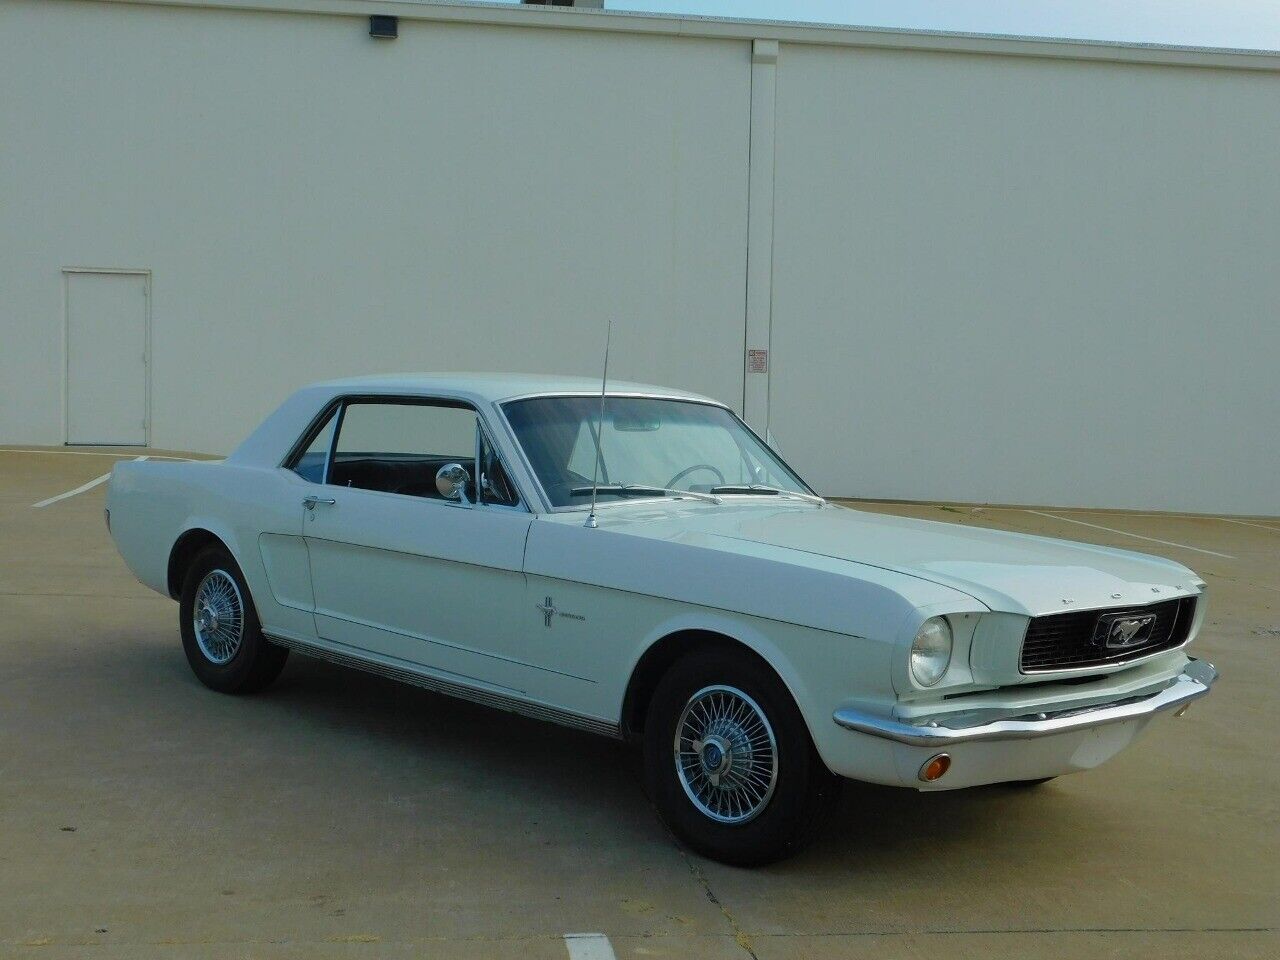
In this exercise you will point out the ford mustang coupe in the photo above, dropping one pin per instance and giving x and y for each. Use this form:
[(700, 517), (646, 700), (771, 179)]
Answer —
[(640, 564)]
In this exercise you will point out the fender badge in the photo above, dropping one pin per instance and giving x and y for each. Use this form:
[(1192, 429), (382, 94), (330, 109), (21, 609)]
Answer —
[(548, 610)]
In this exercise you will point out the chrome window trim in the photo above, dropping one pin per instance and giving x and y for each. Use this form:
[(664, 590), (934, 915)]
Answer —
[(637, 394), (500, 407)]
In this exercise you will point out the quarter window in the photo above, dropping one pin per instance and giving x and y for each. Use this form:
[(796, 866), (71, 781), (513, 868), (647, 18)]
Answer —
[(310, 464)]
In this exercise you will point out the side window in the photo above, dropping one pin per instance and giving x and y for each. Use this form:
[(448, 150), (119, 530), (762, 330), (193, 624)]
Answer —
[(399, 447), (309, 464)]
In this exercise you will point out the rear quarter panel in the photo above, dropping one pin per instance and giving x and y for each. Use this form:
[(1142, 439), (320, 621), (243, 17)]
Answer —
[(153, 503), (150, 502)]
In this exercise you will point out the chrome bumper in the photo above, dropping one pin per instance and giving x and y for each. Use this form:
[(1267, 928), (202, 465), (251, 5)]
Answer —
[(959, 727)]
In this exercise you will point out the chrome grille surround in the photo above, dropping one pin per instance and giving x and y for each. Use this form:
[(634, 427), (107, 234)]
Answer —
[(1073, 640)]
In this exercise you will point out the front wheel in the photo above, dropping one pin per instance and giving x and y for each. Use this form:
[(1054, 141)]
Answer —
[(729, 762), (221, 635)]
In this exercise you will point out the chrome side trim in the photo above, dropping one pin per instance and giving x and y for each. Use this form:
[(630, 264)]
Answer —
[(487, 698), (945, 729)]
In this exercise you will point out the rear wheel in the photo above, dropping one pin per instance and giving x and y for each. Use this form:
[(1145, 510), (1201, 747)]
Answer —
[(221, 635), (729, 763)]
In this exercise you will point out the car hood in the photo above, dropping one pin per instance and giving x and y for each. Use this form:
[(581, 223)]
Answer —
[(1009, 572)]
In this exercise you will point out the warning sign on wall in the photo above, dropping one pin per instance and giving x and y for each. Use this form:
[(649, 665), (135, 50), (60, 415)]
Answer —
[(758, 361)]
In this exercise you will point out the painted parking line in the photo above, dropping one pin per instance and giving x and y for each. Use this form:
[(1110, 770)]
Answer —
[(78, 490), (589, 946), (1136, 536), (97, 453), (1246, 523)]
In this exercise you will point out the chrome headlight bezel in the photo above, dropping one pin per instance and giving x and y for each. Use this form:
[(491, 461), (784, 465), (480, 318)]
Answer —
[(931, 651)]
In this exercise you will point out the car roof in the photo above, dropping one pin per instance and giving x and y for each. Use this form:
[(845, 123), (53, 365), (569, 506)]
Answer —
[(493, 387), (275, 436)]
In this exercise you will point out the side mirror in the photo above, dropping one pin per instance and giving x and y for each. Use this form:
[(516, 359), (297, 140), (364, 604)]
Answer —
[(452, 480)]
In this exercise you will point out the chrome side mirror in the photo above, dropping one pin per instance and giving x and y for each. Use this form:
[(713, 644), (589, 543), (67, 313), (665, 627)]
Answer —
[(452, 480)]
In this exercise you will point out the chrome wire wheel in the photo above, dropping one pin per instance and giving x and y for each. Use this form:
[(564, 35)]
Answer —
[(218, 617), (726, 754)]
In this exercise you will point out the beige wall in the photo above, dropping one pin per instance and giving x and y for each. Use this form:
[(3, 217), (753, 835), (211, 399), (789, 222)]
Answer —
[(985, 277), (313, 203), (1027, 281)]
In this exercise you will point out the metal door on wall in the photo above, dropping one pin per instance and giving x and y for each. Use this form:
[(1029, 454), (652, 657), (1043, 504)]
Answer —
[(106, 357)]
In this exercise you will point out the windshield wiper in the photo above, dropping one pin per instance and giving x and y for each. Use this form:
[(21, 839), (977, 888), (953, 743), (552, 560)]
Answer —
[(746, 489), (644, 490)]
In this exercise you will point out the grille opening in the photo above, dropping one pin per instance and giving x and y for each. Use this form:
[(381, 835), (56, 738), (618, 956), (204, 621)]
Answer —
[(1066, 641)]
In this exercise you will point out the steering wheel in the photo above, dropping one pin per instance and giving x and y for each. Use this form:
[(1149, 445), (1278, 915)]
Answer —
[(671, 484)]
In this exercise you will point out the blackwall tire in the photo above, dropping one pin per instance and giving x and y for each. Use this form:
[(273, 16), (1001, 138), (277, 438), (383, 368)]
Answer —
[(221, 635), (729, 763)]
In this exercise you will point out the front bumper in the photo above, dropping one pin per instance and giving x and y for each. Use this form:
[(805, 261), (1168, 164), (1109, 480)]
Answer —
[(960, 727)]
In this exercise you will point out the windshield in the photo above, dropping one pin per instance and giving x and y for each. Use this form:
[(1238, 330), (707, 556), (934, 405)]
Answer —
[(651, 447)]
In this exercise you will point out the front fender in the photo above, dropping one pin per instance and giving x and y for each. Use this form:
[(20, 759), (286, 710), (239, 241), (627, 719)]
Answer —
[(819, 668)]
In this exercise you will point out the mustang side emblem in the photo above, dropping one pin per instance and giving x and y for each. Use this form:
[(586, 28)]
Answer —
[(548, 609), (1119, 631)]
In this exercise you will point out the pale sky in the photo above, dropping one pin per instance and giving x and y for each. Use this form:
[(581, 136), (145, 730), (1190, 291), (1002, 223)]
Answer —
[(1252, 24)]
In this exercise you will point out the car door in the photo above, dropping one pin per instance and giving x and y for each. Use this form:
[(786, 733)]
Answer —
[(399, 570)]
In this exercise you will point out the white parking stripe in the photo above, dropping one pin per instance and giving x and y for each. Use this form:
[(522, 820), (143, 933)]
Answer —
[(80, 489), (98, 453), (1246, 523), (1136, 536), (589, 946), (71, 493)]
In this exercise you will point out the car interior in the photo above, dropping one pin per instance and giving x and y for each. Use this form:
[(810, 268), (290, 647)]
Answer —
[(406, 473)]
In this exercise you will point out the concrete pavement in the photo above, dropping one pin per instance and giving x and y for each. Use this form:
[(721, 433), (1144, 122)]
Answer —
[(342, 815)]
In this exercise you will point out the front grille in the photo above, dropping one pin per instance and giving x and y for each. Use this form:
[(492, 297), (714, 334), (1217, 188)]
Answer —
[(1069, 641)]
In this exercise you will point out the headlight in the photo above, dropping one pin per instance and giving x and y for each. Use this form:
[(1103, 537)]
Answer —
[(931, 651)]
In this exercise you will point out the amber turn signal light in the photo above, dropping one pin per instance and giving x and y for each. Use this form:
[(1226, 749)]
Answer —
[(935, 767)]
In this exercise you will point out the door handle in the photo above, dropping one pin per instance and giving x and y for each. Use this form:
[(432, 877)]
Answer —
[(310, 502)]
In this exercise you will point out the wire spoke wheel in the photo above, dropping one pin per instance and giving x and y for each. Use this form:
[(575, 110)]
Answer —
[(726, 754), (218, 617)]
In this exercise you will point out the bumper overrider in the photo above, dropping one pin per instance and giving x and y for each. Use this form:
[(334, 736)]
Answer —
[(962, 727)]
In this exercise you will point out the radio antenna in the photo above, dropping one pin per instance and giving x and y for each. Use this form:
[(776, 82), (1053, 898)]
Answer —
[(595, 477)]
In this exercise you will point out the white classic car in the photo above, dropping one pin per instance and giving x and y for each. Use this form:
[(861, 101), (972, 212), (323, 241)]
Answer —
[(642, 565)]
